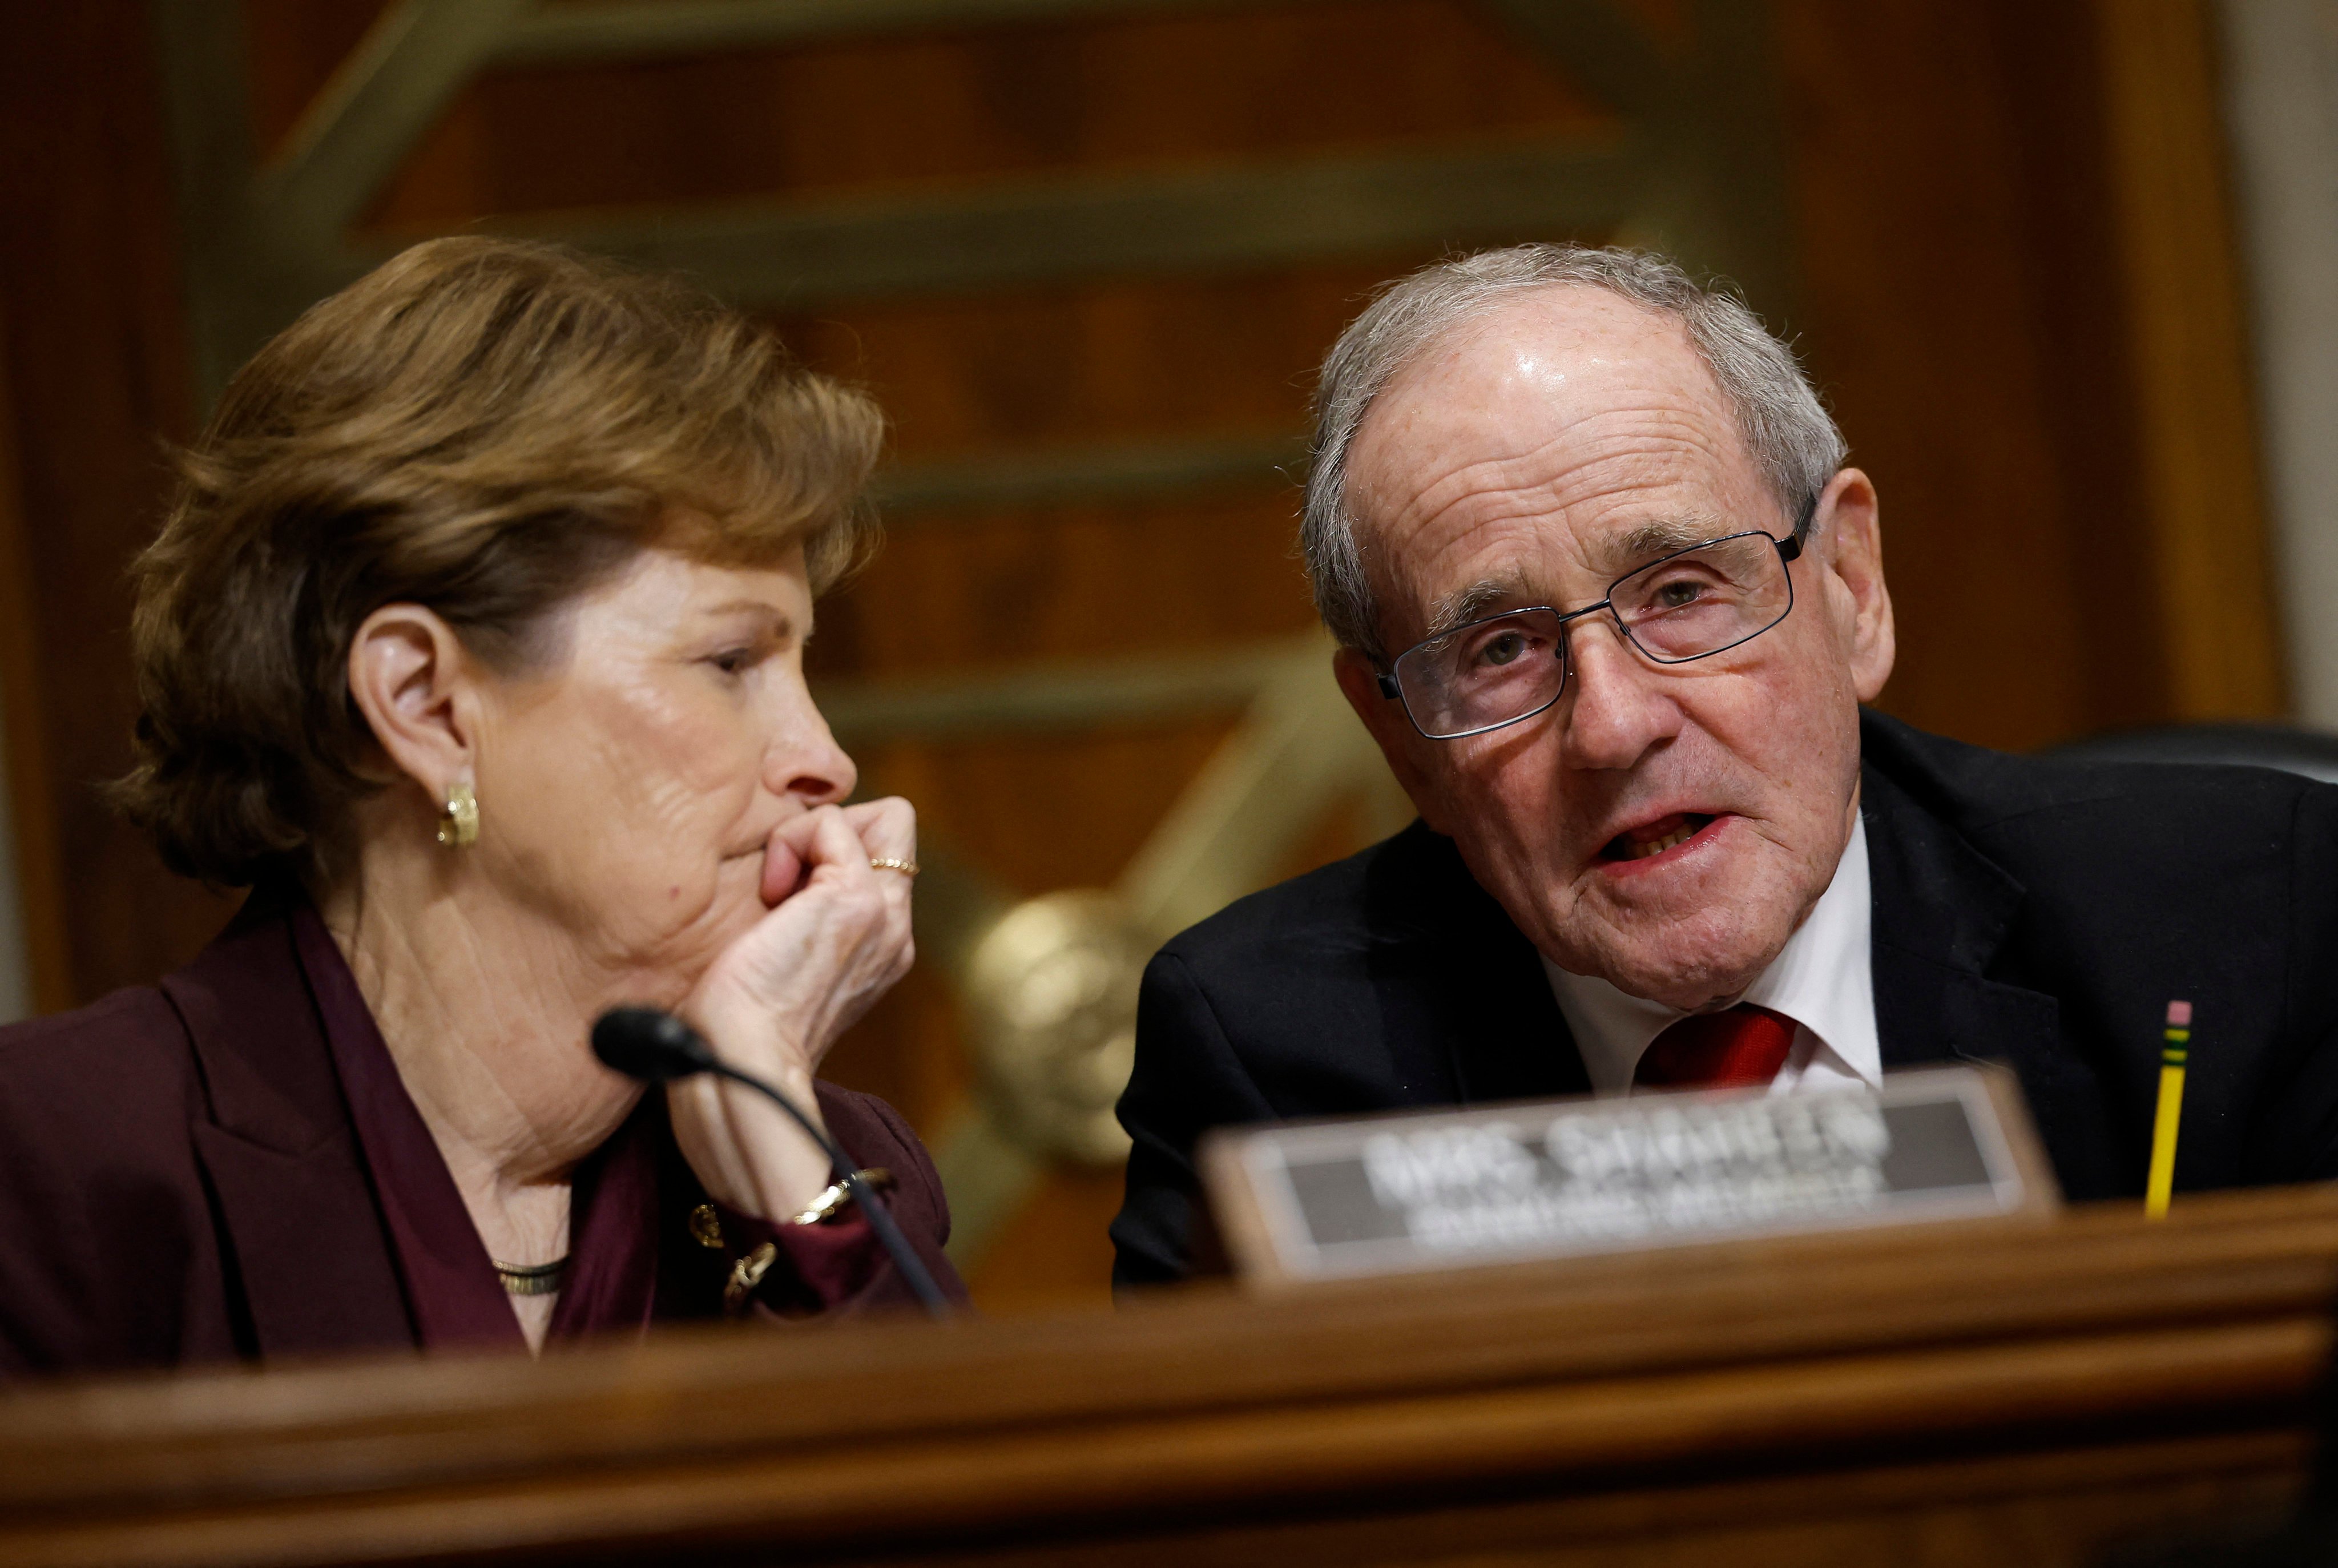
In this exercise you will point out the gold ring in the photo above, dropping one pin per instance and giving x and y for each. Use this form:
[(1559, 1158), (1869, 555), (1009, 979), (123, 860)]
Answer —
[(887, 863)]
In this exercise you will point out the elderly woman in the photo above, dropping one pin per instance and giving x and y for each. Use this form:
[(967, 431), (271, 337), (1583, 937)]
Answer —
[(474, 646)]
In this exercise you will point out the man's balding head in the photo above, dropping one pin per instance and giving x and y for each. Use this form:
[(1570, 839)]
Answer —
[(1528, 453), (1788, 432)]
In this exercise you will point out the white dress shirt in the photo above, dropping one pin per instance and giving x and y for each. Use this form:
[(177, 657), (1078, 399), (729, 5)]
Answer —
[(1822, 979)]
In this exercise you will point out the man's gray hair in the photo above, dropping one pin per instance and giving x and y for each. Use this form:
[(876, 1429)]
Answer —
[(1786, 429)]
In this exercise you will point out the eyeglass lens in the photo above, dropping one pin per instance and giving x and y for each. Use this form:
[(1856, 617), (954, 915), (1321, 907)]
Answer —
[(1686, 606)]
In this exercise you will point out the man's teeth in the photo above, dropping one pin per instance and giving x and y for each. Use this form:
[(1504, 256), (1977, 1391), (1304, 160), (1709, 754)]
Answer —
[(1680, 835)]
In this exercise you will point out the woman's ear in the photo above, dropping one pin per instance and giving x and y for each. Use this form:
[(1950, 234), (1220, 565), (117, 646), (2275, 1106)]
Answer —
[(417, 688)]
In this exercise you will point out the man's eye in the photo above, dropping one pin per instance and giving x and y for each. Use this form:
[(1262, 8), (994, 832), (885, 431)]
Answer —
[(1503, 648), (1677, 593)]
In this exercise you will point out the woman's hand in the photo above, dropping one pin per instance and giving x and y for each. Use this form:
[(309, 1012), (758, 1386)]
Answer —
[(836, 938)]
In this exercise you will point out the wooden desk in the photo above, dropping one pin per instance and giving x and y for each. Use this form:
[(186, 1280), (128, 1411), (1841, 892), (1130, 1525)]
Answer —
[(2002, 1394)]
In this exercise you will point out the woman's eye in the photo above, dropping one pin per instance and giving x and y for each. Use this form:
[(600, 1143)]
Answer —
[(734, 660)]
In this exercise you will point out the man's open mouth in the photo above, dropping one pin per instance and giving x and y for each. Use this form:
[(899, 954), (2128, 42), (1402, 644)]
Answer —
[(1655, 838)]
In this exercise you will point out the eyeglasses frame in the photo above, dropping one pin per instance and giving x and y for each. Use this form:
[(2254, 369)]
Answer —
[(1790, 549)]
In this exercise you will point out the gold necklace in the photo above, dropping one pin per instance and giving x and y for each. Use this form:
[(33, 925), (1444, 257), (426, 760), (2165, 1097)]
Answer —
[(534, 1280)]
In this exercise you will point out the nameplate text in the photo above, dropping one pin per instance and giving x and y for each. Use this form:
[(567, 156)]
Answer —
[(1412, 1191)]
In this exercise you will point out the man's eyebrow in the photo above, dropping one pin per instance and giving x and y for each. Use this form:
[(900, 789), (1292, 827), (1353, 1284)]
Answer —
[(1658, 538), (1634, 548), (1463, 605)]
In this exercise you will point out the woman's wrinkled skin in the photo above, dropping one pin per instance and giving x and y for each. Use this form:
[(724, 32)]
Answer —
[(661, 822)]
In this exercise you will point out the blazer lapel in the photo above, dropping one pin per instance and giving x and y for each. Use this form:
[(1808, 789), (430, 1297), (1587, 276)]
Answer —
[(1942, 913), (1466, 1009), (303, 1232)]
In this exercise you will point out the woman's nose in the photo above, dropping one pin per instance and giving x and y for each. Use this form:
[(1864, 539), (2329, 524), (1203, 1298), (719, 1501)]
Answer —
[(805, 760)]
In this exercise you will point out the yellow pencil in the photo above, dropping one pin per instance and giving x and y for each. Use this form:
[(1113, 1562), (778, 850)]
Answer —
[(2172, 1056)]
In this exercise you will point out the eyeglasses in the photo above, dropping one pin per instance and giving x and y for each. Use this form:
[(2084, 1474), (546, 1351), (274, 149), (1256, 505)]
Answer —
[(1690, 604)]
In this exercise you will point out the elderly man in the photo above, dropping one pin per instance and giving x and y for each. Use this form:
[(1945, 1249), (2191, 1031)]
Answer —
[(1610, 602)]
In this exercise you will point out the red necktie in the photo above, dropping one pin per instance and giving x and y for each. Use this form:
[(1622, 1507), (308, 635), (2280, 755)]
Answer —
[(1746, 1045)]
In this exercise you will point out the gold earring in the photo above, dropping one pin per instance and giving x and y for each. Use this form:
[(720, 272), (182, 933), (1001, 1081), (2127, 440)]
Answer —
[(459, 829)]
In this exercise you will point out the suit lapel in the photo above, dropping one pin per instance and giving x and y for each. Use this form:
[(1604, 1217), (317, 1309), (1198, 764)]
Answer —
[(1470, 1017), (1942, 913), (1467, 1009), (302, 1230)]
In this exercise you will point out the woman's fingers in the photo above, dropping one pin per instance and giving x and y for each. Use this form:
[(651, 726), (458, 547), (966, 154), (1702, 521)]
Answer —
[(783, 871), (834, 847), (887, 827), (884, 829), (800, 846), (856, 900), (838, 940), (835, 937), (849, 837)]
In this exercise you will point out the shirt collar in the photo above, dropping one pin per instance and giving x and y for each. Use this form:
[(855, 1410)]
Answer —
[(1822, 979)]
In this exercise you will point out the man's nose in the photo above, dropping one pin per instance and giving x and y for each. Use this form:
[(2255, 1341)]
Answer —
[(1617, 709)]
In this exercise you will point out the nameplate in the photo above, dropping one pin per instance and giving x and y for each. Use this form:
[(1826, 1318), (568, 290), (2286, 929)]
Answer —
[(1444, 1190)]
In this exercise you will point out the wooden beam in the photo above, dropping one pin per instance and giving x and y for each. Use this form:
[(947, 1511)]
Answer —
[(568, 34), (2203, 528), (206, 101), (388, 92), (1298, 751), (1703, 123), (1726, 209), (1026, 231), (1055, 698), (1595, 45), (1091, 474), (199, 45)]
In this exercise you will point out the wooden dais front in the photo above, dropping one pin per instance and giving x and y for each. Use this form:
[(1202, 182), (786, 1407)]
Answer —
[(2009, 1391)]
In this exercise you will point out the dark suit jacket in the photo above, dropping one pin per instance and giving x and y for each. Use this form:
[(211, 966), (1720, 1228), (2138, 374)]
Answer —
[(180, 1182), (2039, 913)]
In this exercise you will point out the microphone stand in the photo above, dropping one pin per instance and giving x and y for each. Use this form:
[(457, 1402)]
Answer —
[(880, 1219), (656, 1047)]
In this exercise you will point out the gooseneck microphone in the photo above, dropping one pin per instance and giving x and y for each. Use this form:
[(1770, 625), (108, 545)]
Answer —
[(656, 1047)]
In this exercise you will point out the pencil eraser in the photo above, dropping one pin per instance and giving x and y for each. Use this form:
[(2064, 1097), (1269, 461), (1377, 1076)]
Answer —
[(2179, 1014)]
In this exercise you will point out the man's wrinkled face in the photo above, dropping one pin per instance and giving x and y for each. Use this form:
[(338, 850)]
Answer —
[(1665, 827)]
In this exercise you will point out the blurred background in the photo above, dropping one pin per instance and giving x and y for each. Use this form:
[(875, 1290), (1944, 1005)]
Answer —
[(2067, 270)]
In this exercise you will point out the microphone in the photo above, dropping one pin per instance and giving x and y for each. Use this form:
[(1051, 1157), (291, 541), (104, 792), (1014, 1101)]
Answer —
[(653, 1046), (656, 1047)]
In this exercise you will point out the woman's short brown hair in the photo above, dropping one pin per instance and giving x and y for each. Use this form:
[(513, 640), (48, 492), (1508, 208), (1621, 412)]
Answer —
[(485, 427)]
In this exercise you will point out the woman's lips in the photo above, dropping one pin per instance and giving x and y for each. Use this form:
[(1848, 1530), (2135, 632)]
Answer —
[(1652, 844)]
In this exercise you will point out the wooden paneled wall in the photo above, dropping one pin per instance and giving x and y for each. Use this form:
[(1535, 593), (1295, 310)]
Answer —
[(2017, 257), (2014, 282), (96, 371)]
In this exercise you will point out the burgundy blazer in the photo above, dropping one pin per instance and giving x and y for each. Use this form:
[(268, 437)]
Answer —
[(181, 1181)]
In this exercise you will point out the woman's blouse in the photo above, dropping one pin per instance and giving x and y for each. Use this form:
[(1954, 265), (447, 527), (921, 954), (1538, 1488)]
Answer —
[(633, 1258)]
